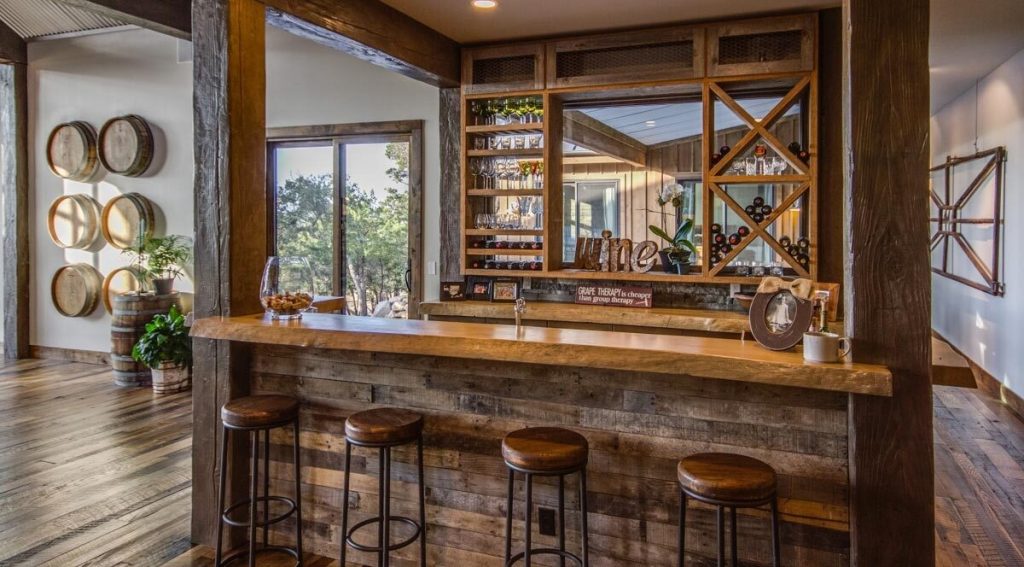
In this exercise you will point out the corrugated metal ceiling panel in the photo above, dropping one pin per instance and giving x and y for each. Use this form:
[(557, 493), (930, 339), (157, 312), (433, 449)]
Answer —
[(39, 18)]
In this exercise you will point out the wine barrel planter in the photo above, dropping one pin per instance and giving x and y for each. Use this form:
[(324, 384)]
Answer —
[(71, 151), (74, 221), (121, 280), (127, 218), (126, 145), (130, 315), (75, 290)]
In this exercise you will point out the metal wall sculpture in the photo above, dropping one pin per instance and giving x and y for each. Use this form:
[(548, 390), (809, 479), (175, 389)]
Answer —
[(951, 216)]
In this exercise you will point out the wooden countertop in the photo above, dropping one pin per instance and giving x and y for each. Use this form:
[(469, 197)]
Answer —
[(685, 319), (723, 359)]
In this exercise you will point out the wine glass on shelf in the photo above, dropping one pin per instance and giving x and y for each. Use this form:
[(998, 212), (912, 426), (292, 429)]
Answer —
[(487, 171), (476, 109), (530, 107), (476, 169), (491, 109)]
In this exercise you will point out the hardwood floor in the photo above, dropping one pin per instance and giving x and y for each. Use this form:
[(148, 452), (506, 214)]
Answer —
[(92, 474), (979, 481)]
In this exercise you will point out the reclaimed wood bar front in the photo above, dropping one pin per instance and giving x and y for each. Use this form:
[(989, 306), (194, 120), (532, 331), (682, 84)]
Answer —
[(643, 402)]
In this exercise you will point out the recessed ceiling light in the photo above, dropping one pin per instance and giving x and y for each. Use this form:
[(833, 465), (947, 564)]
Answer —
[(484, 4), (650, 123)]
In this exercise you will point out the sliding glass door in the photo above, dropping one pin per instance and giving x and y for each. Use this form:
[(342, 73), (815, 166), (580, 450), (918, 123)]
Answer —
[(344, 203)]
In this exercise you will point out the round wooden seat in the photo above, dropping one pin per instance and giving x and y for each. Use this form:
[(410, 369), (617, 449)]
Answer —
[(546, 449), (384, 426), (259, 411), (726, 478)]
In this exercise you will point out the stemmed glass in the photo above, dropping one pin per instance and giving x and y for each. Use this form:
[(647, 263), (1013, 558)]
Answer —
[(476, 168), (530, 106), (286, 290), (487, 171)]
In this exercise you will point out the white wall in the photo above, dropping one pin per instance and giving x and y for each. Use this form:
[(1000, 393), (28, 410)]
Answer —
[(986, 328), (311, 84), (95, 78)]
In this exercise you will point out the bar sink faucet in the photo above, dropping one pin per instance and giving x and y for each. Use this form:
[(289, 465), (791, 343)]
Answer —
[(520, 309)]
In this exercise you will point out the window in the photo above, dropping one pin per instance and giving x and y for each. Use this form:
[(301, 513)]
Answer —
[(346, 203), (589, 207)]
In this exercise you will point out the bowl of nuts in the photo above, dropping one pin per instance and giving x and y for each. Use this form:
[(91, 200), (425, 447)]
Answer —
[(287, 288)]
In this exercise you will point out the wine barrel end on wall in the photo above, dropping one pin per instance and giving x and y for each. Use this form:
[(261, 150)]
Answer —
[(71, 151), (131, 313), (126, 145)]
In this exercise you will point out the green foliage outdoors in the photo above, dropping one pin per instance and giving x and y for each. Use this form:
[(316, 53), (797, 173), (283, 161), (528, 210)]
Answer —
[(375, 231), (165, 340)]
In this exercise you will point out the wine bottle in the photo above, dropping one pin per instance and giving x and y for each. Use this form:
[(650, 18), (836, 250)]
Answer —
[(785, 242), (795, 147), (743, 231), (750, 209), (804, 243), (758, 201), (720, 238), (758, 218), (766, 210), (734, 239), (716, 228)]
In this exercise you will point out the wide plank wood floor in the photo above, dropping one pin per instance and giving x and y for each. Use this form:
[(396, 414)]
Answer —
[(92, 474)]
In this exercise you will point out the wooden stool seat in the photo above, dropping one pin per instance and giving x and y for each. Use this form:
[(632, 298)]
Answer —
[(384, 426), (727, 477), (545, 449), (259, 411)]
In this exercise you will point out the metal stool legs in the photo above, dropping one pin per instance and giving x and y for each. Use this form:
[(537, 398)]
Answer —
[(720, 512), (582, 560), (383, 521), (254, 499)]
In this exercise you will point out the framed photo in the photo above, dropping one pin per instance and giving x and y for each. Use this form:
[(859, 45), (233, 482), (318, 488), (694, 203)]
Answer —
[(453, 291), (479, 289), (778, 320), (505, 291)]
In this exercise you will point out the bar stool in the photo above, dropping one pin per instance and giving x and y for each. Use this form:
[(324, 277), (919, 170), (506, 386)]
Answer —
[(545, 451), (727, 481), (259, 414), (384, 429)]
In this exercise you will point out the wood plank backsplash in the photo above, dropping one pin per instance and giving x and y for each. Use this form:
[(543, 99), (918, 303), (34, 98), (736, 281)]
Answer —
[(638, 425)]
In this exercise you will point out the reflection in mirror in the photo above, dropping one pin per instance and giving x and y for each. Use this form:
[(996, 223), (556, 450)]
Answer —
[(629, 165)]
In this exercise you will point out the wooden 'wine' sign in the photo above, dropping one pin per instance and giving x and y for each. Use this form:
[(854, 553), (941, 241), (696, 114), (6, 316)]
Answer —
[(607, 254)]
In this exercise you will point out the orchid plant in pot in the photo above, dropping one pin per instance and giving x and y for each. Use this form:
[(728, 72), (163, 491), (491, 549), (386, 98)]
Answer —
[(675, 257)]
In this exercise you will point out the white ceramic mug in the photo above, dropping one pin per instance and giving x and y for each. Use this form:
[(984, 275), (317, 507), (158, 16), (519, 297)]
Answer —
[(825, 347)]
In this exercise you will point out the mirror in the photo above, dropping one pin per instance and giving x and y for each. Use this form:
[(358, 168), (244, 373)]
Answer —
[(629, 165)]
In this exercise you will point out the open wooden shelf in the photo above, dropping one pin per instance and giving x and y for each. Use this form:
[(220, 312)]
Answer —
[(495, 273), (532, 128), (502, 232), (503, 252), (505, 192), (511, 152)]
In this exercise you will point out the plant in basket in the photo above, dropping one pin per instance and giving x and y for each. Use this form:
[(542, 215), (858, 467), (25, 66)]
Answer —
[(166, 348)]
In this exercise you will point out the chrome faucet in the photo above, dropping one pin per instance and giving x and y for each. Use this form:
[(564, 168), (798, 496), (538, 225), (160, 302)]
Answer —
[(520, 309)]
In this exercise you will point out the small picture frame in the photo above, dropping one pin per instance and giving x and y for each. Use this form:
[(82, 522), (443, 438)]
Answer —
[(453, 290), (505, 291), (479, 289)]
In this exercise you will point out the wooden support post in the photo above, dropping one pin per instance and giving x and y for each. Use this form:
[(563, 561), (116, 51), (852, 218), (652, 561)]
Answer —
[(451, 195), (888, 283), (14, 181), (231, 221)]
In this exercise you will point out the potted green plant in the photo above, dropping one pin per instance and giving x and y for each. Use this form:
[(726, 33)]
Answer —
[(675, 258), (164, 257), (166, 349)]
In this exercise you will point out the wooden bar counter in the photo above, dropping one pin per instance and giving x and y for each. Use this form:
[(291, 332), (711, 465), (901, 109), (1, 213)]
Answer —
[(643, 402)]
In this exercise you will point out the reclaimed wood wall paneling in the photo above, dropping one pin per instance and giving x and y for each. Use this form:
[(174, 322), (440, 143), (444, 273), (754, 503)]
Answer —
[(628, 418)]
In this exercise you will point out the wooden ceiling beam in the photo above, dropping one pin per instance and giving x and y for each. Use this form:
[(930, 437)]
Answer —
[(375, 32), (12, 47), (585, 131), (171, 17)]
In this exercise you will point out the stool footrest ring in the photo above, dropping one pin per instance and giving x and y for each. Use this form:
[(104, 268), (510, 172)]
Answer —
[(392, 547), (545, 551), (259, 523), (269, 549)]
